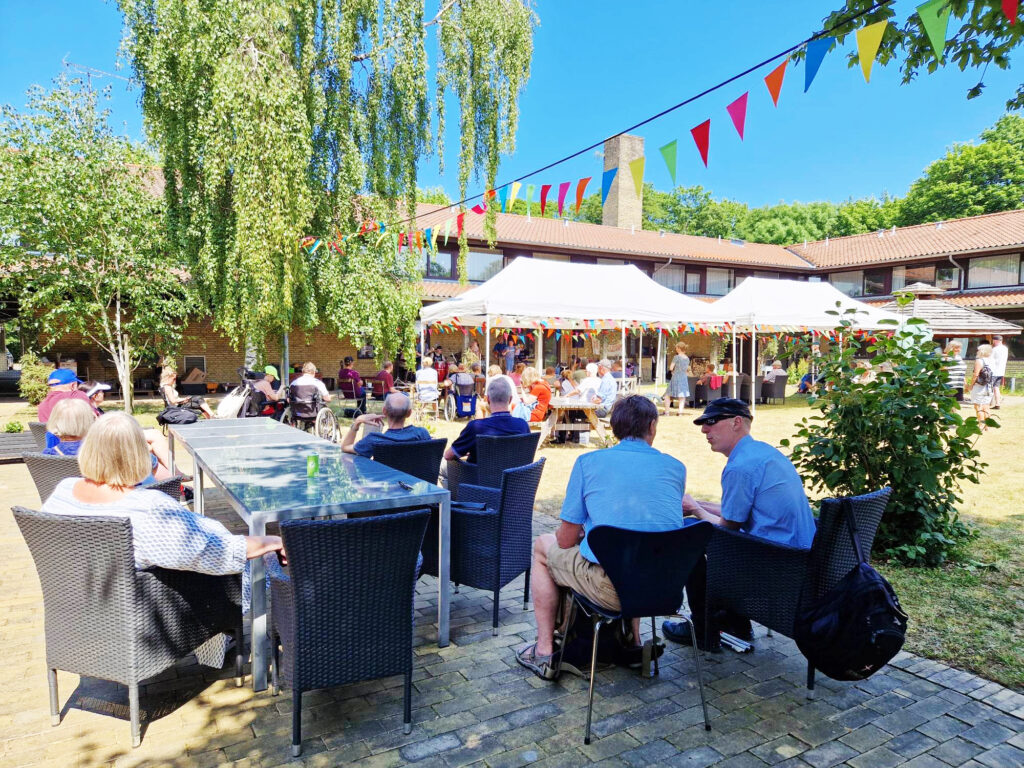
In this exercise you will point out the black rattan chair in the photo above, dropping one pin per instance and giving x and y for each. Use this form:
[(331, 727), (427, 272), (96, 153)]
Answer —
[(420, 459), (774, 391), (107, 620), (648, 570), (493, 545), (344, 611), (38, 429), (768, 583), (47, 471), (494, 454)]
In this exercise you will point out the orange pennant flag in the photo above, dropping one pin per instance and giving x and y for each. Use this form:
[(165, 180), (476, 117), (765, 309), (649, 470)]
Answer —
[(581, 189), (774, 81)]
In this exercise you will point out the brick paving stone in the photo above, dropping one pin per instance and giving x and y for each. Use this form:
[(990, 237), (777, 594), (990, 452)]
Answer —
[(900, 721), (515, 758), (987, 734), (879, 757), (924, 761), (974, 712), (911, 743), (729, 744), (956, 751), (819, 732), (1002, 756), (430, 747), (887, 703), (779, 749), (699, 757), (865, 738), (856, 717), (648, 754), (828, 754), (599, 749), (743, 760)]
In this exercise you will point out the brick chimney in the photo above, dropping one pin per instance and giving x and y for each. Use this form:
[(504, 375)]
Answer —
[(623, 208)]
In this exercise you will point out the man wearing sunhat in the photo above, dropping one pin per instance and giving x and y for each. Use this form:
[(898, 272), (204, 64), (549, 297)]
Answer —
[(762, 495), (63, 385)]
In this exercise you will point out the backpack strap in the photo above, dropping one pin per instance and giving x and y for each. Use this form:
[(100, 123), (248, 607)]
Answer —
[(847, 509)]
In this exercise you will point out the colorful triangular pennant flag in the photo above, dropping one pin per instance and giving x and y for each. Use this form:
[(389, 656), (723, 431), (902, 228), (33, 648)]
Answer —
[(503, 197), (447, 229), (428, 238), (668, 152), (544, 189), (636, 169), (516, 186), (774, 81), (581, 189), (563, 189), (738, 112), (816, 50), (702, 135), (529, 199), (606, 183), (1010, 8), (935, 19), (460, 221), (868, 40)]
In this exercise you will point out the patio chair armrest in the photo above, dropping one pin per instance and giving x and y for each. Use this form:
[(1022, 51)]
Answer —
[(489, 497), (275, 572)]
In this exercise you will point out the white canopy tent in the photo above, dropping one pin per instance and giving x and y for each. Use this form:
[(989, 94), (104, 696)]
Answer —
[(542, 294), (765, 305)]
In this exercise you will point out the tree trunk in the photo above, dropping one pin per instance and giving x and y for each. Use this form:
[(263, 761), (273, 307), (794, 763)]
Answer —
[(122, 361)]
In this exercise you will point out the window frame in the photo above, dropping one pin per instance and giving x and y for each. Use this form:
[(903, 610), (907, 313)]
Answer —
[(971, 268), (498, 256)]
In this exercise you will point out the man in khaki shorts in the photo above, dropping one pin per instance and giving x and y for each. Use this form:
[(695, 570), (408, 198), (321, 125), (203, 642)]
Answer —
[(602, 490)]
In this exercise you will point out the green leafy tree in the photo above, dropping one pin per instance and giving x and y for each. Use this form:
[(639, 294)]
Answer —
[(83, 238), (979, 35), (282, 118), (972, 179), (903, 429), (32, 383)]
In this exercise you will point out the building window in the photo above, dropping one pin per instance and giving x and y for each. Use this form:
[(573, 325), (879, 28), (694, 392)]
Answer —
[(693, 277), (874, 282), (720, 281), (482, 265), (947, 278), (904, 276), (437, 266), (770, 275), (194, 361), (611, 262), (552, 257), (850, 283), (671, 277), (991, 271)]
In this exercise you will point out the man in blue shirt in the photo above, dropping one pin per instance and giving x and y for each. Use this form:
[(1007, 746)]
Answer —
[(602, 491), (500, 422), (397, 408), (762, 495), (608, 389)]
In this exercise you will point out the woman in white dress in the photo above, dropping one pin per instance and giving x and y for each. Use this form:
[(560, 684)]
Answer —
[(981, 384)]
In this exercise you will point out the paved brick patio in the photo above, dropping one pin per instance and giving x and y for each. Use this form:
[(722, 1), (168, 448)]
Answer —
[(474, 705)]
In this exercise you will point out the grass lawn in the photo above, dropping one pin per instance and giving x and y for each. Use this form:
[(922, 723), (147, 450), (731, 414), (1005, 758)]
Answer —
[(969, 617)]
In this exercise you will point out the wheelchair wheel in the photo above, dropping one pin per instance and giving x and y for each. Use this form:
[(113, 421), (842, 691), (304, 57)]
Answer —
[(326, 425), (286, 417), (450, 407)]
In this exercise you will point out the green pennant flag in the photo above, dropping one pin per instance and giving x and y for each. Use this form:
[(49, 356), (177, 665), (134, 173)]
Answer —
[(935, 20), (529, 199), (669, 153), (447, 229)]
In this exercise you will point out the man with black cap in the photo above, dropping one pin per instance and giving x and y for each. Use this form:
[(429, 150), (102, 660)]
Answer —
[(762, 495)]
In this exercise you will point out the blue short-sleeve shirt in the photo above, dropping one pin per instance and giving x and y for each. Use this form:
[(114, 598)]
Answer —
[(762, 491), (409, 434), (500, 424), (630, 485)]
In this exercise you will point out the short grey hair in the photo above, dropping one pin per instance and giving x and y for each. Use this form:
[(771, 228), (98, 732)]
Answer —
[(499, 391), (397, 406), (592, 369), (604, 362)]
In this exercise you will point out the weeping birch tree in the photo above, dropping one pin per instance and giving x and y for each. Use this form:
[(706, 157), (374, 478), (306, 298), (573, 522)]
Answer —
[(282, 118)]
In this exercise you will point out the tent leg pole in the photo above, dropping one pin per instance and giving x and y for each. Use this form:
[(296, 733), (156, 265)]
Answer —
[(735, 366), (539, 344), (754, 392), (487, 343), (656, 367), (623, 356)]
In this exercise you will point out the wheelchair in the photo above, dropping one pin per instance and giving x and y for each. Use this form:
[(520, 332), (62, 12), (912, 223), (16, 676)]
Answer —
[(306, 410), (460, 402)]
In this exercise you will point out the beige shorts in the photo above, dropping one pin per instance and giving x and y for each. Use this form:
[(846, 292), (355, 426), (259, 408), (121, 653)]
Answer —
[(569, 568)]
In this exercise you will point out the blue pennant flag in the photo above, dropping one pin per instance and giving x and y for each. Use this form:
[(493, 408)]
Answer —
[(816, 50), (606, 183), (503, 197)]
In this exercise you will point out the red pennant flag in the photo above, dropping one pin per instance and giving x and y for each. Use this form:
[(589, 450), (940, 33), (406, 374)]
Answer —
[(479, 209), (459, 220), (1010, 9), (563, 188), (581, 188), (774, 81), (738, 112), (401, 239), (701, 136), (545, 188)]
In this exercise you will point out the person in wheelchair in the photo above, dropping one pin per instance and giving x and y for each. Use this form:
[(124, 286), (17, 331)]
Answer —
[(273, 401), (307, 405), (171, 396)]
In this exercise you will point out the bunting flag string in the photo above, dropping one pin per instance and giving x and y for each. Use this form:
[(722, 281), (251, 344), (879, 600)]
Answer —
[(668, 152), (738, 112), (702, 136), (774, 80), (503, 197), (1010, 8), (606, 183), (935, 19), (869, 38), (529, 199), (447, 229), (816, 50), (563, 189), (544, 189), (636, 168), (581, 190), (516, 186)]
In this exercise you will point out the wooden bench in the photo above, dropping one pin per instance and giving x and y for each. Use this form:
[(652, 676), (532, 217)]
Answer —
[(13, 444)]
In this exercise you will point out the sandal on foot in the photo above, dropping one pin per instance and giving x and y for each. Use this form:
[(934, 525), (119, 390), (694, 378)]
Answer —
[(541, 666)]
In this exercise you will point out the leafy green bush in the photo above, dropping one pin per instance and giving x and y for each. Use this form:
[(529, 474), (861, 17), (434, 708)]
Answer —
[(902, 429), (12, 427), (797, 370), (34, 374)]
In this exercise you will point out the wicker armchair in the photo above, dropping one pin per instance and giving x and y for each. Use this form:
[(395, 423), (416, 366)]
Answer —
[(344, 611), (766, 582), (420, 459), (494, 454), (48, 471), (38, 429), (105, 619), (493, 545)]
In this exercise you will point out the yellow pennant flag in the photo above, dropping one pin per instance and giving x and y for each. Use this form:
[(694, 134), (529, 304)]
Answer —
[(636, 168), (868, 40), (516, 186)]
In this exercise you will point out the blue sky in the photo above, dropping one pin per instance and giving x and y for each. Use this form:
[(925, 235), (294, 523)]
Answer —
[(601, 65)]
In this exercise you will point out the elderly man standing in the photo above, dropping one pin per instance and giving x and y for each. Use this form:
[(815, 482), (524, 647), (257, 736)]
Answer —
[(500, 422), (762, 495), (607, 390), (397, 408), (602, 491), (62, 384)]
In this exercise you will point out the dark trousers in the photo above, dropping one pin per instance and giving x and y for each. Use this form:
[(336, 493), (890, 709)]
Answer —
[(726, 621)]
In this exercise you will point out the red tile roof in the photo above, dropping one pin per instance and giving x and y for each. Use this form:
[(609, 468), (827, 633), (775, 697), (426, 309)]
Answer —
[(560, 234), (991, 298), (442, 289), (977, 233)]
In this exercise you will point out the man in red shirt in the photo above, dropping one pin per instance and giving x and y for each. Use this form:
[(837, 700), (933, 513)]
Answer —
[(63, 384), (389, 380)]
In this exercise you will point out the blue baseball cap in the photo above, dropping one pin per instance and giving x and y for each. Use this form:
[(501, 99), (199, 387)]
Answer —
[(62, 376)]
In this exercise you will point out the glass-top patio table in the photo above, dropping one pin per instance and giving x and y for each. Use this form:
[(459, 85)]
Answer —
[(260, 466)]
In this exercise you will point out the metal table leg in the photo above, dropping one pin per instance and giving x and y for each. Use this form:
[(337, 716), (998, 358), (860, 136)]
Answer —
[(258, 613), (444, 573), (170, 451), (198, 503)]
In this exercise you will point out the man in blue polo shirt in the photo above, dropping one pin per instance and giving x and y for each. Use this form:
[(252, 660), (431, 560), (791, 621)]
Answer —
[(608, 389), (500, 422), (762, 495), (397, 408), (602, 491)]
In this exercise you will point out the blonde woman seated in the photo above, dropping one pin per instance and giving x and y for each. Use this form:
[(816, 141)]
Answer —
[(113, 460), (568, 385), (69, 421), (538, 398), (170, 394)]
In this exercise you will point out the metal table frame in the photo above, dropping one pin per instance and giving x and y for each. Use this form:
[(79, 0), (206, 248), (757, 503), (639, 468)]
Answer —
[(258, 526)]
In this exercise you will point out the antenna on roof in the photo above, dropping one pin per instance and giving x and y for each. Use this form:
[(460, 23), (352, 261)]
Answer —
[(938, 225), (894, 229), (805, 242), (880, 232), (632, 229), (661, 233), (826, 241)]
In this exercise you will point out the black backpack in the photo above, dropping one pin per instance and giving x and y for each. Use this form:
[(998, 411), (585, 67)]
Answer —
[(174, 414), (854, 629), (984, 376)]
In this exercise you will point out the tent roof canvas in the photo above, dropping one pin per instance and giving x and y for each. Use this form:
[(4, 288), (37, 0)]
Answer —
[(795, 303), (530, 290)]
